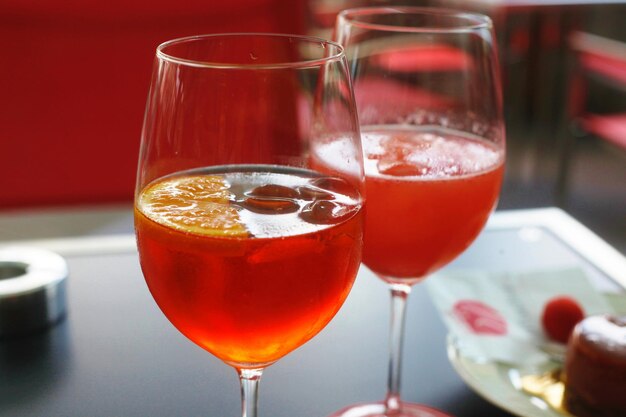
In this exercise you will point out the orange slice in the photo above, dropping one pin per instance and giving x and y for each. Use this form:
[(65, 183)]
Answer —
[(197, 204)]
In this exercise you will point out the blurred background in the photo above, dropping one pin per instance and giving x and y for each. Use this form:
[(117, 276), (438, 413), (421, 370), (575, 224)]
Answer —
[(75, 77)]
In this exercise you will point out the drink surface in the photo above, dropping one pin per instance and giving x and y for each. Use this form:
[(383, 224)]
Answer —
[(429, 193), (249, 262)]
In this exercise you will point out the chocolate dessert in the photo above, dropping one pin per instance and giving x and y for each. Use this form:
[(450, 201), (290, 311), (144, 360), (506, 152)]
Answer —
[(595, 368)]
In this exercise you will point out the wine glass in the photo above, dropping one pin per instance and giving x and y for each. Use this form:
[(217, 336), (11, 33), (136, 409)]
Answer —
[(248, 223), (426, 82)]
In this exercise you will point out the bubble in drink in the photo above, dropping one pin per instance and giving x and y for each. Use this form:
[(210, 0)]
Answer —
[(270, 205), (333, 185), (273, 190), (309, 192), (324, 212)]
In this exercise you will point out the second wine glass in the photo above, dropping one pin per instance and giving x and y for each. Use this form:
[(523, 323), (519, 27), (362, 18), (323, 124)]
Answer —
[(426, 82)]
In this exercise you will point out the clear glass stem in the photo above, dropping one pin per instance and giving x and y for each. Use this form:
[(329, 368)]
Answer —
[(399, 296), (249, 379)]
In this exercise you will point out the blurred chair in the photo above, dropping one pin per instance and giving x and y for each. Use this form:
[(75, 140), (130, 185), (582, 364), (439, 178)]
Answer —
[(598, 60), (73, 85)]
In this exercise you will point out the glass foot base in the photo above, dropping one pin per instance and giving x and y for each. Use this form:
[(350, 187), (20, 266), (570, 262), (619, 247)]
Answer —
[(379, 410)]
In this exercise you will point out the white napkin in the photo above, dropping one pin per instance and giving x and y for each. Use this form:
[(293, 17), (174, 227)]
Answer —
[(496, 316)]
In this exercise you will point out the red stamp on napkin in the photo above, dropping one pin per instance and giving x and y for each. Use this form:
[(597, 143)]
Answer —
[(480, 318)]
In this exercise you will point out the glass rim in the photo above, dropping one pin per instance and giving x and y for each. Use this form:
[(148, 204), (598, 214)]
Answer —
[(301, 63), (475, 21)]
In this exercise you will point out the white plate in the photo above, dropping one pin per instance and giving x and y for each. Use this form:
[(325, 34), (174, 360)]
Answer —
[(501, 383)]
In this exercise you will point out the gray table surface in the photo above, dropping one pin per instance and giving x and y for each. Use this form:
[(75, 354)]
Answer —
[(116, 355)]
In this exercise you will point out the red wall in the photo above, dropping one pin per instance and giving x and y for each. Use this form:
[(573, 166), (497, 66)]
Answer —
[(74, 77)]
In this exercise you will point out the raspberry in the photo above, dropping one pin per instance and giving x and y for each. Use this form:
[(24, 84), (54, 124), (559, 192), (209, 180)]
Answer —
[(559, 317)]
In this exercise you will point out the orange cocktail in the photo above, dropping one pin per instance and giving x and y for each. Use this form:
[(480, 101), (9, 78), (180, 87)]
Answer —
[(249, 262), (430, 192)]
